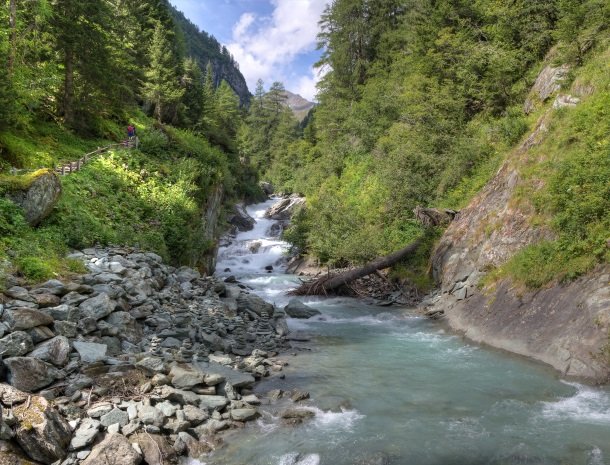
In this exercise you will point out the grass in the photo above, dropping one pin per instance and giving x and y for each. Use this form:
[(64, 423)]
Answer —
[(567, 181), (151, 198)]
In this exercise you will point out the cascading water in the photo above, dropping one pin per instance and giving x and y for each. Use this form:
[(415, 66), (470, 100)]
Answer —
[(389, 387)]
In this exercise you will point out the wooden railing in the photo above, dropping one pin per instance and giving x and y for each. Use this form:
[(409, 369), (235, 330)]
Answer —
[(73, 166)]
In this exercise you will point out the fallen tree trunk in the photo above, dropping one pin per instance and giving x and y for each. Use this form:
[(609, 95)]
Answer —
[(326, 284), (429, 217)]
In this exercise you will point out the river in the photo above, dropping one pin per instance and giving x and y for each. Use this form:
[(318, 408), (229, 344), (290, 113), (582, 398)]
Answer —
[(390, 387)]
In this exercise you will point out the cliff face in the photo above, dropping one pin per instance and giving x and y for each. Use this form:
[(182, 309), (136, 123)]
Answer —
[(206, 49), (564, 325)]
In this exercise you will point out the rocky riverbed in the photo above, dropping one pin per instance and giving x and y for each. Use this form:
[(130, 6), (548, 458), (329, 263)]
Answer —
[(133, 362)]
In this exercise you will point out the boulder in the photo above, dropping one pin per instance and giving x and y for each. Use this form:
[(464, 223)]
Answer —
[(25, 318), (38, 198), (16, 344), (91, 351), (97, 307), (152, 365), (254, 303), (212, 402), (42, 432), (40, 334), (85, 434), (30, 374), (150, 415), (115, 449), (266, 187), (55, 351), (296, 416), (195, 415), (185, 378), (297, 309), (155, 448), (243, 414), (64, 312), (47, 300), (240, 218), (11, 455)]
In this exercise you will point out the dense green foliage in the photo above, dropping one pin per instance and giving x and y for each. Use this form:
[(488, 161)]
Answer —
[(420, 104), (73, 74)]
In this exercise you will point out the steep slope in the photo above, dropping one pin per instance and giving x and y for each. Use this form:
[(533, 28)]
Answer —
[(205, 48), (501, 280)]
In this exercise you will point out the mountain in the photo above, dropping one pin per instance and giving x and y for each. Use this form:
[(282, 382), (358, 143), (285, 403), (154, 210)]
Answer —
[(299, 106), (205, 48)]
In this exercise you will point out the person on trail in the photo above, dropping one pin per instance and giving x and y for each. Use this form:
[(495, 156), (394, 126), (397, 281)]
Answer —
[(131, 131)]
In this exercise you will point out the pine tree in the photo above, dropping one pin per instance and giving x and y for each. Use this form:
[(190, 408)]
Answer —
[(192, 81), (162, 86), (208, 101)]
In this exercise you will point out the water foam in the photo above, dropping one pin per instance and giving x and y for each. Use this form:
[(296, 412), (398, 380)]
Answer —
[(586, 405), (343, 420)]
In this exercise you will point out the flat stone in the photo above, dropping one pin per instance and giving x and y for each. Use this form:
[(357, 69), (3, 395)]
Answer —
[(46, 300), (98, 410), (19, 319), (90, 351), (115, 449), (150, 415), (152, 365), (40, 334), (212, 402), (215, 373), (185, 379), (85, 434), (116, 415), (98, 307), (176, 395), (30, 374), (244, 414), (55, 351)]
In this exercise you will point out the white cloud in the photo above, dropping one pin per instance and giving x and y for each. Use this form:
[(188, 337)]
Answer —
[(265, 47), (306, 85)]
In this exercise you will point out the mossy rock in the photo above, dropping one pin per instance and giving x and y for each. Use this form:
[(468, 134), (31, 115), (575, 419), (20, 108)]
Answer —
[(36, 193)]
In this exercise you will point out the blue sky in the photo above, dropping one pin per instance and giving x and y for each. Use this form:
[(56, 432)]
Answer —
[(274, 40)]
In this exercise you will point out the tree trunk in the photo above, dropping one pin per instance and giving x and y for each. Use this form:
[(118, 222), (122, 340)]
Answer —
[(12, 24), (68, 100), (325, 284)]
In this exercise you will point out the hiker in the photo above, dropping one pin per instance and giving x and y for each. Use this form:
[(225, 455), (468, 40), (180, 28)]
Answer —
[(131, 132)]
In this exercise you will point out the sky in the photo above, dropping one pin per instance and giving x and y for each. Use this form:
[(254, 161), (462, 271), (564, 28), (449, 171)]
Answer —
[(272, 40)]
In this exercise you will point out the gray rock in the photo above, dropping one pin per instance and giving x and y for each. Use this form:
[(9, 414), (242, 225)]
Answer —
[(297, 309), (167, 408), (39, 197), (64, 312), (99, 409), (244, 414), (97, 307), (46, 300), (25, 318), (16, 344), (254, 303), (40, 334), (19, 293), (186, 274), (55, 351), (175, 426), (90, 351), (185, 379), (212, 402), (240, 218), (150, 415), (171, 343), (115, 415), (85, 434), (73, 298), (195, 415), (30, 374), (285, 208), (42, 433), (152, 365), (216, 372), (115, 449), (176, 395), (131, 427)]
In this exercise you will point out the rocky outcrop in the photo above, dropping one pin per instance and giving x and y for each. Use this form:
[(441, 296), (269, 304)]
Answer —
[(38, 197), (285, 208), (547, 83), (566, 325)]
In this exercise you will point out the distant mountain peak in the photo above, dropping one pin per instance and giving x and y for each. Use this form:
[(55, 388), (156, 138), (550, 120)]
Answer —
[(299, 105)]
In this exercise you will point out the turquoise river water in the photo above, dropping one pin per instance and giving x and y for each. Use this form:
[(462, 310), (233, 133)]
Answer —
[(389, 387)]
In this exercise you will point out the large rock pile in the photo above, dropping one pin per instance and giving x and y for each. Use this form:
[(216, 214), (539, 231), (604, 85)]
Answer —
[(134, 361)]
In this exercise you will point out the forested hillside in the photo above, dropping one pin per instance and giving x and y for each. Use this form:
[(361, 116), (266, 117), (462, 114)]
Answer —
[(73, 75), (423, 101)]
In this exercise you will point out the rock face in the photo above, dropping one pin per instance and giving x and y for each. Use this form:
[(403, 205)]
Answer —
[(39, 198), (547, 83), (566, 326), (240, 218)]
